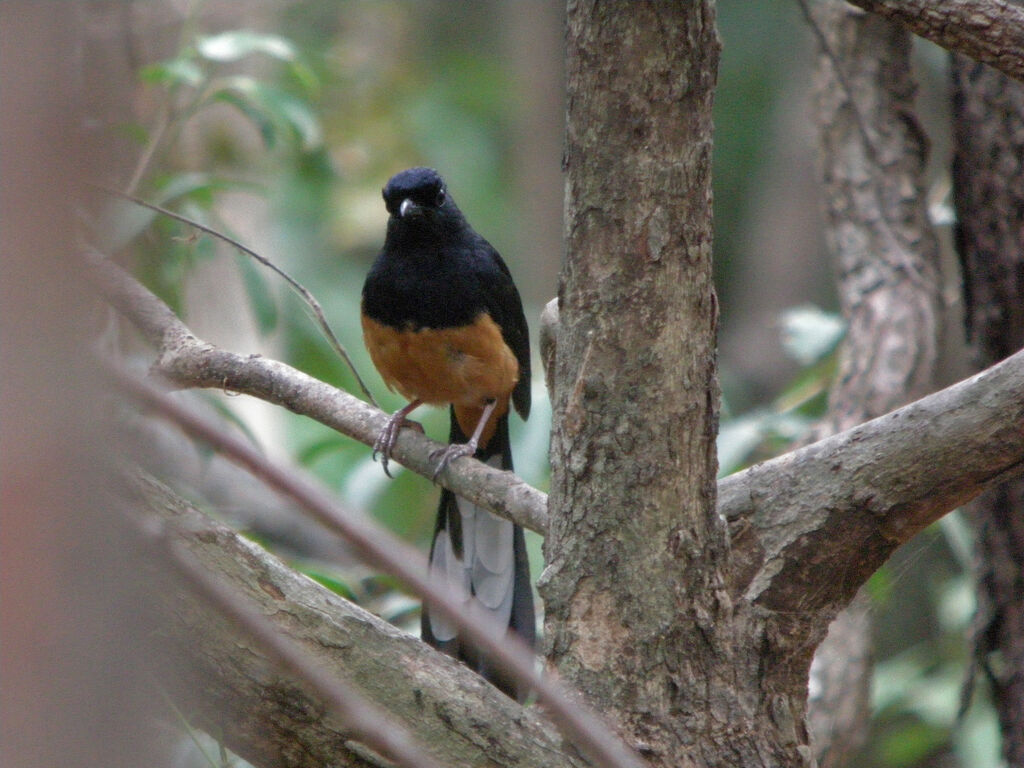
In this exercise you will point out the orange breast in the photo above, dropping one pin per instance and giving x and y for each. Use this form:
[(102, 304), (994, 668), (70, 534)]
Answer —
[(466, 366)]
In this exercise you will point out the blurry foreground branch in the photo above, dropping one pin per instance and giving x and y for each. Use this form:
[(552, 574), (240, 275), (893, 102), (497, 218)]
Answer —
[(227, 681), (587, 732)]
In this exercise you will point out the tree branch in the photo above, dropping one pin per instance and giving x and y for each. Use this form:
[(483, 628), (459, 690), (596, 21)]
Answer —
[(226, 679), (990, 31), (365, 721), (299, 288), (809, 527), (842, 505), (187, 361), (585, 729)]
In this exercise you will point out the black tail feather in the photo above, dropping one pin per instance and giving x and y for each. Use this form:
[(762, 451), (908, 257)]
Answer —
[(522, 620)]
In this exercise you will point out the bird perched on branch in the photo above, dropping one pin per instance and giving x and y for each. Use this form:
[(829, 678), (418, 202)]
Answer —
[(444, 325)]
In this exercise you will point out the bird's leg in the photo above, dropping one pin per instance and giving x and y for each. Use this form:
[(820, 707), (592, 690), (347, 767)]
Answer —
[(446, 456), (386, 439)]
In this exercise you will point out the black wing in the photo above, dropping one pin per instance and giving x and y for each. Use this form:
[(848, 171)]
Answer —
[(502, 302)]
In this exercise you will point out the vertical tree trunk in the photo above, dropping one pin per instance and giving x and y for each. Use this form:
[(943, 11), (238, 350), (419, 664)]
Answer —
[(638, 616), (988, 189), (887, 263)]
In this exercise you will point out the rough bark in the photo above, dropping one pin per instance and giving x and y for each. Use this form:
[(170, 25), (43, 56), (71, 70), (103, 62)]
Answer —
[(802, 542), (636, 614), (221, 676), (988, 191), (990, 31), (873, 156), (887, 262)]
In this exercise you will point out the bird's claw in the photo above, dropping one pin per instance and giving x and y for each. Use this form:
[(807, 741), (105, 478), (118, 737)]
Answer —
[(448, 454), (387, 438)]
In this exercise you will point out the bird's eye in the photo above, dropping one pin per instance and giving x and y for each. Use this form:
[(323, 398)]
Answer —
[(441, 197)]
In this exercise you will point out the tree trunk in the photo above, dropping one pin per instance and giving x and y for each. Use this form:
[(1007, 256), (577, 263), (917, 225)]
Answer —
[(637, 613), (988, 189), (887, 262)]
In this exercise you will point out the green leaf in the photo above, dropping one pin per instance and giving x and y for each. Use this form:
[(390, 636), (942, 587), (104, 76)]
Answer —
[(318, 448), (229, 415), (240, 93), (809, 333), (237, 44), (397, 608), (305, 77), (192, 184), (261, 300), (911, 744), (880, 586), (180, 71), (329, 580), (738, 438), (272, 110), (299, 116)]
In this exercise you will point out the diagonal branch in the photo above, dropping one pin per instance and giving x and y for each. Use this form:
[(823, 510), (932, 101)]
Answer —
[(811, 526), (232, 688), (363, 719), (188, 361), (990, 31), (299, 288)]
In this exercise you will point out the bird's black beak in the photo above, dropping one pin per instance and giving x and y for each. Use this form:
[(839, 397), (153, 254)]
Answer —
[(408, 208)]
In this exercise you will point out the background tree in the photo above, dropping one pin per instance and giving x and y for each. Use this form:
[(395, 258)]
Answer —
[(988, 189)]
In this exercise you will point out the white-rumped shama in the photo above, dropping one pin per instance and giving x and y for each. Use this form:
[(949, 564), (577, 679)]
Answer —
[(444, 325)]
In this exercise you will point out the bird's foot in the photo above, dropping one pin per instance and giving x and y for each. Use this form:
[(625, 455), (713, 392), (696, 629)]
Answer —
[(385, 441), (450, 453)]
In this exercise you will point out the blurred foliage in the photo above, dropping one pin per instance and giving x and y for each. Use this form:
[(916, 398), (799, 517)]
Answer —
[(310, 118), (810, 336)]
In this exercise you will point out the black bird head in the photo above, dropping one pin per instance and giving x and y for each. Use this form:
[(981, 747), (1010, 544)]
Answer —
[(419, 194)]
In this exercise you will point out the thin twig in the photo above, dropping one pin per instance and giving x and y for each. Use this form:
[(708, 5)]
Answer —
[(844, 83), (189, 361), (308, 297), (163, 122), (583, 727)]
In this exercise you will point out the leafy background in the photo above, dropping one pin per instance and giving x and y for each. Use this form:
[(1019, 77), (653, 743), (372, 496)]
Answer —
[(280, 129)]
